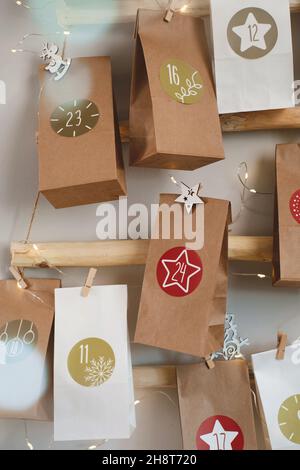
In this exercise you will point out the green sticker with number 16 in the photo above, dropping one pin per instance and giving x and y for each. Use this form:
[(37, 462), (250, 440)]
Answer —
[(181, 82)]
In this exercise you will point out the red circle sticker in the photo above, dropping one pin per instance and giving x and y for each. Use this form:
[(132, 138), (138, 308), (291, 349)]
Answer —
[(295, 205), (179, 271), (219, 433)]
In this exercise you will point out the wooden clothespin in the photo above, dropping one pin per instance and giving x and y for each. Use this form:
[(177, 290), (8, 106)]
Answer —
[(18, 277), (170, 11), (209, 362), (282, 342), (89, 282)]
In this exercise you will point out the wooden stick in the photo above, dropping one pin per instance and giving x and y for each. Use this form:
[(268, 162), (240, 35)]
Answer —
[(246, 122), (125, 11), (120, 252)]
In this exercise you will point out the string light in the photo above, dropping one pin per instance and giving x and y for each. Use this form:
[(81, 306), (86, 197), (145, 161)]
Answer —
[(258, 275), (21, 3), (17, 48)]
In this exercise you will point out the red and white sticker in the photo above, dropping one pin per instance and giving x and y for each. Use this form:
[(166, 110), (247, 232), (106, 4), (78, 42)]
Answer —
[(295, 205), (219, 433), (179, 271)]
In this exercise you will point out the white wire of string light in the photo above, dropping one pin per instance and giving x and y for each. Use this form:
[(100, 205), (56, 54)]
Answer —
[(24, 4)]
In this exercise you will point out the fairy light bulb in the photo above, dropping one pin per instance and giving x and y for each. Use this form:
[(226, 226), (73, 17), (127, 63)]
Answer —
[(19, 3), (184, 8)]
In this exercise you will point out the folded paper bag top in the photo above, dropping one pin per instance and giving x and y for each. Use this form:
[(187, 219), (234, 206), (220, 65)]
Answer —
[(174, 121), (80, 153), (286, 254), (26, 349), (184, 294), (216, 407)]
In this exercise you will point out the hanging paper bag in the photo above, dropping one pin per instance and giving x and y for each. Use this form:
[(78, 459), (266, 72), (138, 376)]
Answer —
[(253, 54), (26, 351), (93, 385), (172, 96), (80, 153), (183, 302), (278, 388), (215, 406), (286, 255)]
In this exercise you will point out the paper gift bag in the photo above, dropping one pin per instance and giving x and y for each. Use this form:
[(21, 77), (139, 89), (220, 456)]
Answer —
[(184, 292), (80, 153), (278, 388), (93, 385), (253, 55), (286, 255), (215, 406), (26, 350), (174, 121)]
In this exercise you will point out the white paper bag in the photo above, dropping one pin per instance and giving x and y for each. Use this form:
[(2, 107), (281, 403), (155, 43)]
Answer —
[(252, 54), (278, 385), (93, 383)]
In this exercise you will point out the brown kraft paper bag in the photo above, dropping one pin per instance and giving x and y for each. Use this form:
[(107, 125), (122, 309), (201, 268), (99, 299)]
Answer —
[(26, 349), (80, 153), (167, 128), (286, 253), (215, 406), (184, 294)]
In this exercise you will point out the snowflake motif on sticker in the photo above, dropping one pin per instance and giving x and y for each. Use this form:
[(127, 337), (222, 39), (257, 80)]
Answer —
[(295, 206), (91, 362), (289, 418), (179, 271), (75, 118), (219, 433)]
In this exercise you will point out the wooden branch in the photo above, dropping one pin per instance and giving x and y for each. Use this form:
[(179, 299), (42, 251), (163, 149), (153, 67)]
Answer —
[(246, 122), (124, 11), (161, 377), (120, 252)]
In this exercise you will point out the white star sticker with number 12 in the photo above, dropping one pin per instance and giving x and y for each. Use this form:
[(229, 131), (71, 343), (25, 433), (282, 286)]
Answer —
[(252, 33), (219, 438)]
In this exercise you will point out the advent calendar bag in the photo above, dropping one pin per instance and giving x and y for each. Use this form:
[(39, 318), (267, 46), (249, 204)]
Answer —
[(80, 154), (26, 349), (93, 384), (286, 254), (174, 120), (252, 54), (278, 388), (184, 292), (215, 406)]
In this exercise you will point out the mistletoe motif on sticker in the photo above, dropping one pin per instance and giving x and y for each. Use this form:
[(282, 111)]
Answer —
[(181, 82), (179, 271), (219, 433), (91, 362), (295, 206), (289, 418)]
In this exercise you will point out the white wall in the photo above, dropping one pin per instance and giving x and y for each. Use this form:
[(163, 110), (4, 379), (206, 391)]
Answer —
[(260, 309)]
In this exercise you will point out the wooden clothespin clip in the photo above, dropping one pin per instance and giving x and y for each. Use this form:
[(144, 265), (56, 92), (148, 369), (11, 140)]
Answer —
[(282, 342), (170, 11), (18, 277), (89, 282), (209, 362)]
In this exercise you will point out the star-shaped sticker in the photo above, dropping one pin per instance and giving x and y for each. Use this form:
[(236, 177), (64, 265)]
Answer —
[(179, 271), (252, 33), (219, 438), (189, 196)]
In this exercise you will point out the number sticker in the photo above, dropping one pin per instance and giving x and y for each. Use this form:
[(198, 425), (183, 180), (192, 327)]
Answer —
[(75, 118), (181, 82), (179, 271), (219, 433), (289, 418), (252, 33), (18, 339), (91, 362)]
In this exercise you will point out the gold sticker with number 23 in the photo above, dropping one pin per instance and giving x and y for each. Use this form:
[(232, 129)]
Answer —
[(181, 81)]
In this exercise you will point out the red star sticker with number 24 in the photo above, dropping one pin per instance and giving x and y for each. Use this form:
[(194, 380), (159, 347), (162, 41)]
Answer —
[(179, 271)]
